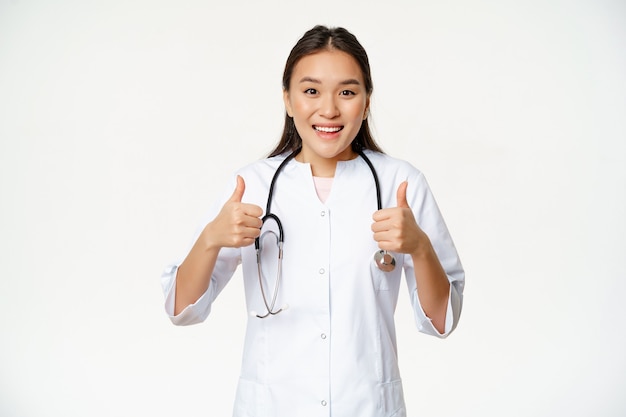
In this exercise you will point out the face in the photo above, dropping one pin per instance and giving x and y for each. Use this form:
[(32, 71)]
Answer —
[(328, 103)]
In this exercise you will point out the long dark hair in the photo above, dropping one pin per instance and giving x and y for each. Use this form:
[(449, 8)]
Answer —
[(315, 40)]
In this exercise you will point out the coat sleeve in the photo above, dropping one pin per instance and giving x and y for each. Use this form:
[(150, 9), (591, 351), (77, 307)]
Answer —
[(227, 262), (431, 221)]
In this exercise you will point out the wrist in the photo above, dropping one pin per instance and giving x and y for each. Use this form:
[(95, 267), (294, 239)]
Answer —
[(208, 239), (424, 249)]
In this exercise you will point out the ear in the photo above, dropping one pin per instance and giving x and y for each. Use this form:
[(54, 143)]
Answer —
[(366, 112), (287, 102)]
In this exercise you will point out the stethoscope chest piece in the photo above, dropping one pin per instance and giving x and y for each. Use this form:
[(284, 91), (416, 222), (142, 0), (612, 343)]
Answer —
[(385, 261)]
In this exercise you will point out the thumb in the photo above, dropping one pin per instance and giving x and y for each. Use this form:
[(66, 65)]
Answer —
[(401, 195), (239, 190)]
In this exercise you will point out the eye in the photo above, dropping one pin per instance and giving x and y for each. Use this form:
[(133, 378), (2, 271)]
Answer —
[(347, 93), (311, 91)]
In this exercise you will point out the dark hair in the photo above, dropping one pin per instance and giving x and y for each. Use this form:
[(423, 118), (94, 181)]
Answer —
[(317, 39)]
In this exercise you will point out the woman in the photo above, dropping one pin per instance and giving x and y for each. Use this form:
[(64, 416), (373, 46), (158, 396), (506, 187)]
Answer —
[(321, 336)]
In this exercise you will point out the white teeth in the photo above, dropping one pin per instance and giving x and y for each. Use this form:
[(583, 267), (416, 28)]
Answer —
[(328, 129)]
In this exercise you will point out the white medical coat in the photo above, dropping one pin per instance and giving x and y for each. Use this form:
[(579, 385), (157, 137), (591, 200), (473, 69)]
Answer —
[(333, 351)]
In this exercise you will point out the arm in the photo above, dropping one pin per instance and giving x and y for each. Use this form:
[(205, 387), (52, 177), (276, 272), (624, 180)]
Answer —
[(433, 287), (236, 225), (395, 229)]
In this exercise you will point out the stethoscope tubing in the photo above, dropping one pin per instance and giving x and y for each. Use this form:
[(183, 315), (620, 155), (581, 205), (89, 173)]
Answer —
[(384, 261), (270, 307), (379, 203), (279, 238)]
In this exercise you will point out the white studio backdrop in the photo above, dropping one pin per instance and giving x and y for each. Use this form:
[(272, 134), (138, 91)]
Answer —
[(121, 120)]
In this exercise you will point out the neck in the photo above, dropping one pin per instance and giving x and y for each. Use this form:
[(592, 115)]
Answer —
[(324, 167)]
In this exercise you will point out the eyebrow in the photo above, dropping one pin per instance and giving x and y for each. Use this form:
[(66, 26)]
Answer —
[(349, 81)]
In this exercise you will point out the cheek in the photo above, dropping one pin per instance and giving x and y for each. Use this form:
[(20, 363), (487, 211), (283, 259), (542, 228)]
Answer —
[(301, 108), (356, 111)]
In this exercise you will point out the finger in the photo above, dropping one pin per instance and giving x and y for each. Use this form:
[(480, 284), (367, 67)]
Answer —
[(239, 190), (251, 233), (382, 214), (381, 225), (251, 221), (401, 195), (243, 235), (245, 239), (384, 240), (252, 210)]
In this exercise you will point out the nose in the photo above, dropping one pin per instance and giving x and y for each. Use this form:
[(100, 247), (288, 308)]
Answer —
[(328, 107)]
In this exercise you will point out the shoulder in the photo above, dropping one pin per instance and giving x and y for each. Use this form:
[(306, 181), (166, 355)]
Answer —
[(261, 166), (258, 174), (388, 165)]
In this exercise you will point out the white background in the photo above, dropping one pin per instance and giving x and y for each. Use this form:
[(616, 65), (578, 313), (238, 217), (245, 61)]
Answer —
[(120, 121)]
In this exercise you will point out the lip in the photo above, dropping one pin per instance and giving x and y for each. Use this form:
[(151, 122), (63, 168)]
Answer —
[(327, 129)]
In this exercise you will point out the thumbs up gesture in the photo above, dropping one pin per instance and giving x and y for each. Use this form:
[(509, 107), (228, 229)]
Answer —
[(395, 229), (237, 224)]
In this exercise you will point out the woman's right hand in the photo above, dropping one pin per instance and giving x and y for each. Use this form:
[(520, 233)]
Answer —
[(237, 224)]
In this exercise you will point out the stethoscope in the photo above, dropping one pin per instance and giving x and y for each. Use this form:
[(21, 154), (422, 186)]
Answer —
[(384, 260)]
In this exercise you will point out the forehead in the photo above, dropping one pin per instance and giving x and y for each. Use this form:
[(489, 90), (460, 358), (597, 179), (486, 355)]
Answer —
[(328, 66)]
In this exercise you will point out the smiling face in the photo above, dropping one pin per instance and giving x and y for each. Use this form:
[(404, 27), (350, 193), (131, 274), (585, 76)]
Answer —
[(328, 102)]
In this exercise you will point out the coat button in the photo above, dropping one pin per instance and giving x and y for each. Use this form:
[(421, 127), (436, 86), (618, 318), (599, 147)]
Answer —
[(321, 271), (324, 403), (323, 335), (322, 213)]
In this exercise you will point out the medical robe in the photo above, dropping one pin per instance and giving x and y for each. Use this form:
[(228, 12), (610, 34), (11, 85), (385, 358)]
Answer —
[(333, 351)]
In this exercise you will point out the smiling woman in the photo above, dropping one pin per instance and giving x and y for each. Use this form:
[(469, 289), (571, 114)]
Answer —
[(332, 349), (314, 42), (328, 104)]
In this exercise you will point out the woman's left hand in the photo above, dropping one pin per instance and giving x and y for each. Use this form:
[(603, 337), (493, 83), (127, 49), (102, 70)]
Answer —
[(395, 229)]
